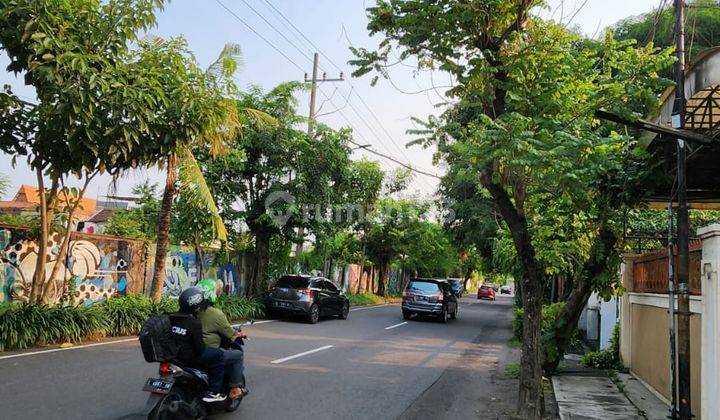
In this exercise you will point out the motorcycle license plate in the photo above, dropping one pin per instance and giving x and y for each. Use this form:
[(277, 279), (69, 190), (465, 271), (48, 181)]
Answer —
[(158, 386)]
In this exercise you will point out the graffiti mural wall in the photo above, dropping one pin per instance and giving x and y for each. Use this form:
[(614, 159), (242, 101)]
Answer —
[(102, 266), (183, 270), (96, 266)]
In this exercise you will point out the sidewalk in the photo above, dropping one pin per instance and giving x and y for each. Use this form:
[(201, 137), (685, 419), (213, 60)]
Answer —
[(584, 393)]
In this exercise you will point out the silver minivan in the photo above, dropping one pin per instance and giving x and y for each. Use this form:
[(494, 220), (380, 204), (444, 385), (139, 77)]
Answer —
[(429, 297)]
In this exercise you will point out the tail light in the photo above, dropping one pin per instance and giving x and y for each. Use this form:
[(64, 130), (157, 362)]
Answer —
[(436, 298), (406, 295), (165, 368), (306, 292)]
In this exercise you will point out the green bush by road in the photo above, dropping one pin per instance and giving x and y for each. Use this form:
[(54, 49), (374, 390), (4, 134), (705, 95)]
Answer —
[(25, 325), (359, 299)]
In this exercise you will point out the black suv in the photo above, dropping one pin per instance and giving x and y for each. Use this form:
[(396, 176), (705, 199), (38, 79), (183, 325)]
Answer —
[(309, 296), (430, 297)]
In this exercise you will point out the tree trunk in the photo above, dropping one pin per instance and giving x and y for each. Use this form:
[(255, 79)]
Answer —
[(383, 278), (597, 265), (50, 288), (531, 404), (200, 259), (39, 276), (465, 283), (362, 262), (262, 256), (163, 236)]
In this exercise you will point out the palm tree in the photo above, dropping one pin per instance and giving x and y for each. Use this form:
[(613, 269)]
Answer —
[(181, 165)]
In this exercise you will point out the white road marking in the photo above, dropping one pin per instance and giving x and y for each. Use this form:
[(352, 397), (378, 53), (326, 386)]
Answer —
[(32, 353), (370, 307), (305, 353), (395, 326), (106, 343)]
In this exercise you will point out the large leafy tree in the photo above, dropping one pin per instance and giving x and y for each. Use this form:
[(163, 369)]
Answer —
[(201, 114), (277, 170), (523, 123), (99, 101)]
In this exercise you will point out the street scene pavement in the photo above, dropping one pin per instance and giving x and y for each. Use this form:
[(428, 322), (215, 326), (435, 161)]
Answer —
[(374, 365)]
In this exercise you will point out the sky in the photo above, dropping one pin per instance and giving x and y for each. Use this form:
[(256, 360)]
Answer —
[(379, 115)]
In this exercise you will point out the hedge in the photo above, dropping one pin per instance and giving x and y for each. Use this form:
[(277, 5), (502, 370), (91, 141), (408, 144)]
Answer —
[(24, 325)]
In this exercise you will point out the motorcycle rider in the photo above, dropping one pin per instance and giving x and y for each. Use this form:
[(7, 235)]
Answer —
[(215, 329), (187, 332)]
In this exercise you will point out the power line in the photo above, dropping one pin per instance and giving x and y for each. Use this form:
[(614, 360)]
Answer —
[(259, 35), (303, 35), (342, 114), (274, 28), (375, 152), (330, 60)]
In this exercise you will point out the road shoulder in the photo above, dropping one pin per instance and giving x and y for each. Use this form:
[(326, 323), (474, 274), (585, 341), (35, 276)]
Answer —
[(475, 386)]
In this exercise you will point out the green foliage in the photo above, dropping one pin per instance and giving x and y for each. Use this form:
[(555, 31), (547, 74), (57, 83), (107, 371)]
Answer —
[(648, 223), (360, 299), (4, 184), (236, 308), (126, 314), (702, 19), (550, 315), (608, 358), (137, 222), (512, 370), (24, 325)]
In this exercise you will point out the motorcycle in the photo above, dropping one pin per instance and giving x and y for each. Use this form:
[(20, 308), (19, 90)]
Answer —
[(177, 392)]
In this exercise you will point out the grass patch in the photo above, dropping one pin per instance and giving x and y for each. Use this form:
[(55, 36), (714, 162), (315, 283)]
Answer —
[(512, 370), (514, 343), (360, 299)]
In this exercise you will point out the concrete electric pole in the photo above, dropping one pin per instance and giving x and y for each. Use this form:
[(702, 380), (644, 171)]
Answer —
[(683, 266), (311, 120)]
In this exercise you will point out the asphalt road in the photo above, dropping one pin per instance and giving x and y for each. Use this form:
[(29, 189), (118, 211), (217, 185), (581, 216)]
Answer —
[(372, 366)]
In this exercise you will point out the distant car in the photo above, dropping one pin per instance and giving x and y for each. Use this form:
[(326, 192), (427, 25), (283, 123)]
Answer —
[(486, 292), (457, 286), (429, 297), (311, 297), (493, 286), (505, 290)]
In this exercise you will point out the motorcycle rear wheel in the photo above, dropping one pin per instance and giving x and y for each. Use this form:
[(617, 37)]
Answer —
[(169, 407)]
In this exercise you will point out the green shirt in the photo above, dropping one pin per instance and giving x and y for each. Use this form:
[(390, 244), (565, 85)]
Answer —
[(214, 326)]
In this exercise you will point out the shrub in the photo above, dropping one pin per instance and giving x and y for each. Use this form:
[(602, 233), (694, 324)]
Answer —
[(359, 299), (236, 308), (550, 314), (608, 358), (24, 325), (126, 314)]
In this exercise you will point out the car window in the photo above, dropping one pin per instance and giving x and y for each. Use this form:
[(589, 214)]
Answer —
[(331, 286), (423, 287), (293, 282)]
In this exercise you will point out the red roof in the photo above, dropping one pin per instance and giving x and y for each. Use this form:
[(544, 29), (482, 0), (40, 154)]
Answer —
[(28, 197)]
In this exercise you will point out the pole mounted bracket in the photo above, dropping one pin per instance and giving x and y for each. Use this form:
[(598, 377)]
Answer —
[(682, 288)]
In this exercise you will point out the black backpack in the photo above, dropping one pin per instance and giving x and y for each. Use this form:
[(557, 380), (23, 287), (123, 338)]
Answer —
[(156, 339)]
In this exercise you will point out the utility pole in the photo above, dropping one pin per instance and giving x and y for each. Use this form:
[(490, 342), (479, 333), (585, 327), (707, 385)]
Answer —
[(683, 266), (311, 120)]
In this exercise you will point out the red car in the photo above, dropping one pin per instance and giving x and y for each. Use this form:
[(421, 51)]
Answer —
[(486, 292)]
